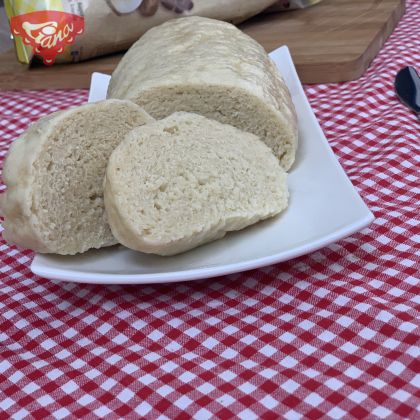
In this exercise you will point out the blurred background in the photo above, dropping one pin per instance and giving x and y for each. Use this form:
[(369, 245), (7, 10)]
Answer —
[(5, 41), (332, 41)]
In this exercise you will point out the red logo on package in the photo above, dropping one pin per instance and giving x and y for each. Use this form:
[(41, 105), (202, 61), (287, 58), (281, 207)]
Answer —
[(48, 32)]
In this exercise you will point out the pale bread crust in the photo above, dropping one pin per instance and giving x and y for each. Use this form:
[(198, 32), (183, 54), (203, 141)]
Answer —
[(203, 63), (19, 221)]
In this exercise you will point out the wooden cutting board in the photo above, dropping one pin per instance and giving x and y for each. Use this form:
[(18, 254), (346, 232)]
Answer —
[(331, 42)]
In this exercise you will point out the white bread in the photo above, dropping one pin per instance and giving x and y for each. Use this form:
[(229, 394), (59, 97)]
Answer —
[(54, 177), (211, 68), (186, 180)]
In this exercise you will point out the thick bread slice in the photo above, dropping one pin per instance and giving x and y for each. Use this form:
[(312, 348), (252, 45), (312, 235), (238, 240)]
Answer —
[(186, 180), (210, 68), (54, 177)]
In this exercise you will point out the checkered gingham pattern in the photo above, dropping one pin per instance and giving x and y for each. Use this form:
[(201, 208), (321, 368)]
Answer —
[(334, 334)]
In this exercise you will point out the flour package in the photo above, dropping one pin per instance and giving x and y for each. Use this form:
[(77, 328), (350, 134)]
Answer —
[(76, 30)]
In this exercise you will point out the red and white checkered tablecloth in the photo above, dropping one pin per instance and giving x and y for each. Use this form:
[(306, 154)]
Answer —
[(334, 334)]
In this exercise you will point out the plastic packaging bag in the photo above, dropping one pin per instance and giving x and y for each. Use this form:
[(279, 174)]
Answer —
[(76, 30)]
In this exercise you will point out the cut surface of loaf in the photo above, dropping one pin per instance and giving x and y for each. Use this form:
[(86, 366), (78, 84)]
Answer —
[(211, 68), (54, 177), (186, 180)]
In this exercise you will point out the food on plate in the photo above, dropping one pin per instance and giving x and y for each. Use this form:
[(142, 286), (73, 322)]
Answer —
[(185, 180), (211, 68), (194, 141), (54, 177)]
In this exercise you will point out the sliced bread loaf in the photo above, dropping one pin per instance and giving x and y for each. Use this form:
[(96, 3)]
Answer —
[(186, 180), (54, 177), (210, 68)]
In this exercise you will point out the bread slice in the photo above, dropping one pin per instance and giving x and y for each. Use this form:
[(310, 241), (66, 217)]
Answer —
[(211, 68), (54, 174), (186, 180)]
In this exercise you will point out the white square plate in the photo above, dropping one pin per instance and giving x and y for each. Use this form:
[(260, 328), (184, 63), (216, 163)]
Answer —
[(324, 207)]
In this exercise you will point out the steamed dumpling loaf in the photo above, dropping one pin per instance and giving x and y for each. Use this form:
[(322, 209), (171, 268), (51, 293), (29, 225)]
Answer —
[(210, 68), (54, 177), (180, 182)]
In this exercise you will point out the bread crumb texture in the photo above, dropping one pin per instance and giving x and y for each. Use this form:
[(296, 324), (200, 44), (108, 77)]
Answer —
[(186, 180), (54, 176)]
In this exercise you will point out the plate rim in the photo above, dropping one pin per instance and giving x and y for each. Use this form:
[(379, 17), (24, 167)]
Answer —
[(200, 273)]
